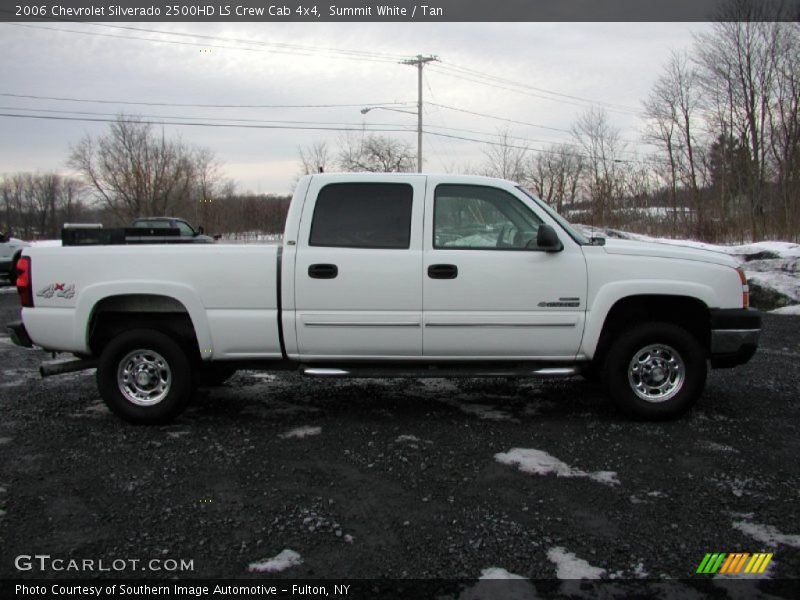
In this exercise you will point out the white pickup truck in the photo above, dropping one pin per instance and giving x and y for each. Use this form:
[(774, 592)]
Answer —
[(392, 276)]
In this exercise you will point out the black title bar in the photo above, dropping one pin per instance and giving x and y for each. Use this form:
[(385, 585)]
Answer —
[(373, 11)]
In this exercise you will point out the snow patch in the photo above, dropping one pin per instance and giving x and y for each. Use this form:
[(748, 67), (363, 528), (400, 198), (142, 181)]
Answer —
[(260, 375), (767, 534), (14, 378), (537, 462), (719, 447), (276, 564), (496, 582), (787, 285), (5, 440), (498, 573), (177, 434), (787, 310), (406, 438), (482, 411), (569, 566), (300, 432)]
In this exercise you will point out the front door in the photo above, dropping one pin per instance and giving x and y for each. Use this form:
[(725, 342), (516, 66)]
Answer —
[(488, 291)]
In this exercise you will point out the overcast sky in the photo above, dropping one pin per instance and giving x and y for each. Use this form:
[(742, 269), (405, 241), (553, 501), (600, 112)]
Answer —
[(612, 64)]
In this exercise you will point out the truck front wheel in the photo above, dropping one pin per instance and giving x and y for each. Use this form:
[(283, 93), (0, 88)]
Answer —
[(655, 371), (145, 377)]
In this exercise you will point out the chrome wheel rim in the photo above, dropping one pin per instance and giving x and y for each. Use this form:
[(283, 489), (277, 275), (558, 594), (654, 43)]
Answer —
[(656, 373), (144, 377)]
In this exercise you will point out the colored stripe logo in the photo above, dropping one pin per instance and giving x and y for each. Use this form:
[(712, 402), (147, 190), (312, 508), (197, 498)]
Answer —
[(734, 564)]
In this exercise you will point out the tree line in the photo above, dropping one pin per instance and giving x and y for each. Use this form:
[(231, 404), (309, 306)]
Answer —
[(134, 170)]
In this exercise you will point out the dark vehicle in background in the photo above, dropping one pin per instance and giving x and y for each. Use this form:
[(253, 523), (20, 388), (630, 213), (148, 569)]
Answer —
[(186, 230), (10, 250), (144, 230)]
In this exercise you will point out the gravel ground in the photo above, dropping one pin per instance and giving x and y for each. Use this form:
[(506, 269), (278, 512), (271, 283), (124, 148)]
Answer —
[(399, 479)]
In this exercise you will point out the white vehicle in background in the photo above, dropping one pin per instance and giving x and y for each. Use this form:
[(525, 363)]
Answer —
[(10, 251), (392, 276)]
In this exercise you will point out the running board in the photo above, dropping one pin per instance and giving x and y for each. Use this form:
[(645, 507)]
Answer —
[(423, 373), (67, 366)]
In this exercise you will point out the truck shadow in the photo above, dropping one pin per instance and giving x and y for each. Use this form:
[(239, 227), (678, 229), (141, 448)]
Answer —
[(280, 396)]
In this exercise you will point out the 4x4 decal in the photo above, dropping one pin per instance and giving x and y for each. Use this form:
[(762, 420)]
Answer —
[(61, 290)]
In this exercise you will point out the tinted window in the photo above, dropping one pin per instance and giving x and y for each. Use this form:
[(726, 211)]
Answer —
[(363, 215), (186, 231), (481, 218)]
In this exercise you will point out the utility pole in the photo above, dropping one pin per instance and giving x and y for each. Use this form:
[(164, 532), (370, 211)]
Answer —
[(419, 61)]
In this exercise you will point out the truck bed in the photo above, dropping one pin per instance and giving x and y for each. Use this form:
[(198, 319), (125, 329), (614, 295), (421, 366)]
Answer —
[(229, 291)]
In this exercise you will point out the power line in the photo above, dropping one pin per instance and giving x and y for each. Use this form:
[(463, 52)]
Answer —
[(488, 116), (595, 101), (185, 105), (141, 116), (198, 124), (513, 87), (292, 46), (196, 44), (541, 150)]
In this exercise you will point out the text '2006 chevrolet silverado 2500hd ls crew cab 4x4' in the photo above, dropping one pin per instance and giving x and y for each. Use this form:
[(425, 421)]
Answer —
[(392, 276)]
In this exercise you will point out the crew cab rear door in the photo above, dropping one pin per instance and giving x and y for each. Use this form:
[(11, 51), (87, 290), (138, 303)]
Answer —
[(357, 277), (488, 291)]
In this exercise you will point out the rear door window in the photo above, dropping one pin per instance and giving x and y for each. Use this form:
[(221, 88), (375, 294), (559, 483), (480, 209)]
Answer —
[(363, 215)]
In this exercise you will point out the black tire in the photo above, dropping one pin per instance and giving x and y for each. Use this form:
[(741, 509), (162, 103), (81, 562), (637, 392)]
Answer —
[(167, 378), (213, 374), (668, 374), (592, 373)]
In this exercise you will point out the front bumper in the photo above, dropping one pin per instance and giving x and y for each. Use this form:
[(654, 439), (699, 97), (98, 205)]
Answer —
[(19, 335), (734, 336)]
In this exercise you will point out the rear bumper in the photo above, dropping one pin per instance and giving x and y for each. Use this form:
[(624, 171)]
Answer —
[(19, 335), (734, 336)]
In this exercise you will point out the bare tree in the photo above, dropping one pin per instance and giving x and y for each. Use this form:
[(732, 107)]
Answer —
[(376, 154), (672, 110), (600, 144), (135, 171), (554, 175), (313, 158), (738, 63), (36, 205), (784, 127), (505, 159)]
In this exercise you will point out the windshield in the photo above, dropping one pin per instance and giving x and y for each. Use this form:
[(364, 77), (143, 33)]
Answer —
[(565, 225)]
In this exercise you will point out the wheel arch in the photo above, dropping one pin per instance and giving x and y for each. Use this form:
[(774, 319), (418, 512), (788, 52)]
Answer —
[(689, 312), (117, 313)]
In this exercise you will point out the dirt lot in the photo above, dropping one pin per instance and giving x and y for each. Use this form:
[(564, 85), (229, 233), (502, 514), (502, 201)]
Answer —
[(403, 479)]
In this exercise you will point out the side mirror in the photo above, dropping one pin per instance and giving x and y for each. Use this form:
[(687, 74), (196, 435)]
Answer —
[(547, 239)]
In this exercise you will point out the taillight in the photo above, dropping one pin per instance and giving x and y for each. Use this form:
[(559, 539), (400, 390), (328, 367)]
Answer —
[(24, 281), (745, 289)]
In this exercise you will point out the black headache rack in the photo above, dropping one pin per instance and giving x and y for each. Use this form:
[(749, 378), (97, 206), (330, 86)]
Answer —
[(123, 235)]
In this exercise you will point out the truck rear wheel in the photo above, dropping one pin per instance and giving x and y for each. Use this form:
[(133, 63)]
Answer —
[(655, 371), (145, 377)]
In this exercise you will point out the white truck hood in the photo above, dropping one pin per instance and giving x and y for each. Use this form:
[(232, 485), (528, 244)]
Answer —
[(634, 248)]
